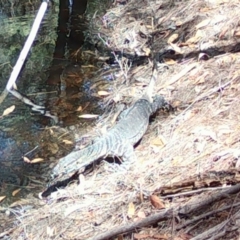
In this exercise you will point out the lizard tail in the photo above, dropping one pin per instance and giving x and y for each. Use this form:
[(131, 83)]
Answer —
[(81, 158)]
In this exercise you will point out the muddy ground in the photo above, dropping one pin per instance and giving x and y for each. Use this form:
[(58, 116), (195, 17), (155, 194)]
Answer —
[(185, 184)]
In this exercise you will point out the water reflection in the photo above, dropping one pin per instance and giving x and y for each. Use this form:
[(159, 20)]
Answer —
[(18, 132), (55, 76)]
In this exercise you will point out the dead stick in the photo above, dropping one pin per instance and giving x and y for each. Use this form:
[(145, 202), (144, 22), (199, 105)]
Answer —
[(163, 215), (201, 203), (220, 229), (193, 192), (195, 219), (167, 214)]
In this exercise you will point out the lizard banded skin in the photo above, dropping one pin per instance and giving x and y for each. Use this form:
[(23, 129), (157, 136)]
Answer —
[(119, 141)]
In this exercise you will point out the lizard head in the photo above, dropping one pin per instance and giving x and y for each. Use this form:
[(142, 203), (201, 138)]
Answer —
[(61, 172)]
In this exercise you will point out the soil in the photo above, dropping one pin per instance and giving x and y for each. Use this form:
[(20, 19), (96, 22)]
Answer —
[(185, 184)]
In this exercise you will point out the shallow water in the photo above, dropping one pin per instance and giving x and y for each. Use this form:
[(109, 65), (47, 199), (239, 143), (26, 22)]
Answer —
[(52, 77)]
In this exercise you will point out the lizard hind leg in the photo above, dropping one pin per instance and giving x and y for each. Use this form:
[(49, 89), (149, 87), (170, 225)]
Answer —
[(125, 153), (128, 156)]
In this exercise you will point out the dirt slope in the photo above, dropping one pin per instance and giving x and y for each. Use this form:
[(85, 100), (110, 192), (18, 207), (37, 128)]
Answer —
[(188, 168)]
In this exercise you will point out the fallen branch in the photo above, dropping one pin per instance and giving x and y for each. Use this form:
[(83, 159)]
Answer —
[(28, 44), (220, 230), (211, 213), (167, 214), (201, 203), (163, 215)]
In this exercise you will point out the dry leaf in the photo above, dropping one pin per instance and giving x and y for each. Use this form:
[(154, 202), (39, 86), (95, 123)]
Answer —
[(173, 38), (141, 214), (203, 23), (180, 75), (183, 236), (176, 103), (67, 142), (79, 109), (88, 116), (159, 141), (204, 9), (141, 236), (169, 61), (20, 202), (15, 192), (53, 147), (120, 237), (156, 202), (131, 210), (37, 160), (178, 23), (237, 34), (103, 93), (177, 160), (27, 160), (8, 110), (199, 34), (2, 198), (223, 32), (162, 236), (176, 48), (199, 80), (147, 51)]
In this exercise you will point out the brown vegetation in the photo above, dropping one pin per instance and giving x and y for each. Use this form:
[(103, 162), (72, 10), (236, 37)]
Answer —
[(186, 182)]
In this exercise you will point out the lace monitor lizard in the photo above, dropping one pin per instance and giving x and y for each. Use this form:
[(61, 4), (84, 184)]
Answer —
[(119, 140)]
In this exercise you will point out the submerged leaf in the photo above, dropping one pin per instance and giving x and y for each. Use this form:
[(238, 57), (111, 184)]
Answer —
[(26, 159), (2, 198), (8, 110), (79, 109), (88, 116), (103, 93), (15, 192), (67, 142), (37, 160)]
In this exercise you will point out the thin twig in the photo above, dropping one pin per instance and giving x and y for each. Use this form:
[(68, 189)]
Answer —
[(28, 44), (194, 192), (219, 230), (195, 219), (209, 93), (163, 215)]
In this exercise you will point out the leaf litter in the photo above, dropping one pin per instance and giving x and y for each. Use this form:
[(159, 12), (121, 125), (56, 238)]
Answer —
[(199, 156)]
